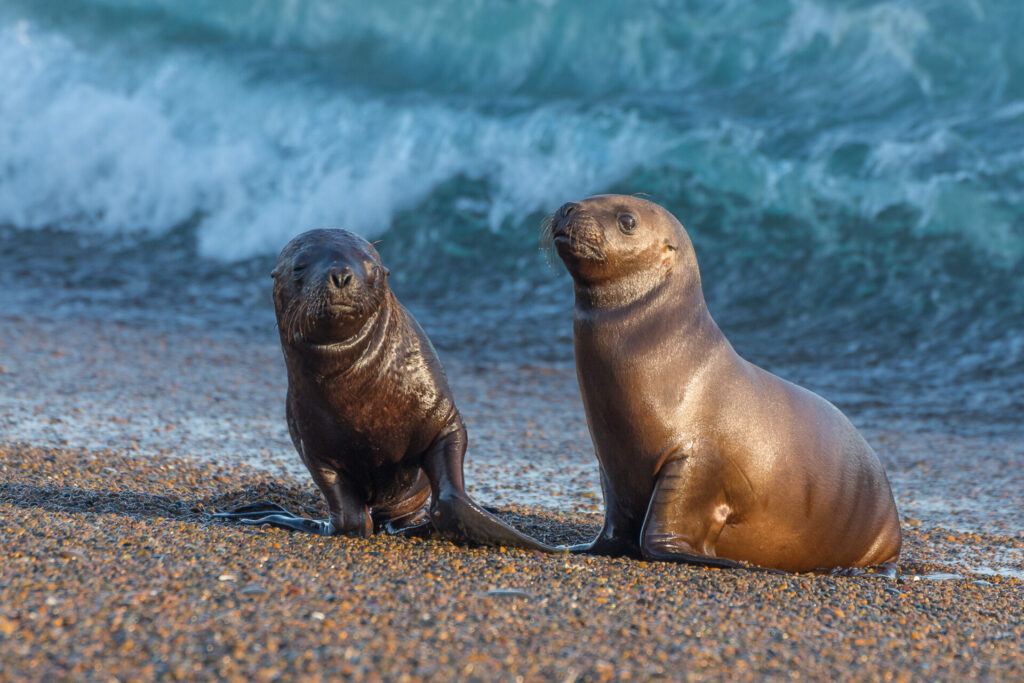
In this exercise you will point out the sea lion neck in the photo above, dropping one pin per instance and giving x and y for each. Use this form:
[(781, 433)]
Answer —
[(604, 318), (642, 288)]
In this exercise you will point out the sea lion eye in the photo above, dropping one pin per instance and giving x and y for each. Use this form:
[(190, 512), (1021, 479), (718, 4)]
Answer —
[(627, 222), (298, 269)]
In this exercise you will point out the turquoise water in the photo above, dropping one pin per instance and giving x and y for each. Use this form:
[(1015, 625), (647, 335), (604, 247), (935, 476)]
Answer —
[(851, 172)]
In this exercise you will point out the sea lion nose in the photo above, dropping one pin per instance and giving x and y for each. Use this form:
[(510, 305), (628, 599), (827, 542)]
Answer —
[(340, 277)]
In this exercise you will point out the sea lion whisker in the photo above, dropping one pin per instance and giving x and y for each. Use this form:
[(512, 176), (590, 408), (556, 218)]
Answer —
[(546, 239), (301, 318)]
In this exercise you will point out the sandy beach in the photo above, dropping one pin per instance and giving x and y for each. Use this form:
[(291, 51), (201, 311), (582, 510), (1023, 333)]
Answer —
[(119, 440), (851, 178)]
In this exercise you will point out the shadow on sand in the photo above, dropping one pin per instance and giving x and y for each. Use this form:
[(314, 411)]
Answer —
[(556, 528)]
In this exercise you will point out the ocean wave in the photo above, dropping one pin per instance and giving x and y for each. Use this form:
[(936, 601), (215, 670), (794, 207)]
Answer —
[(256, 120), (256, 163), (560, 48)]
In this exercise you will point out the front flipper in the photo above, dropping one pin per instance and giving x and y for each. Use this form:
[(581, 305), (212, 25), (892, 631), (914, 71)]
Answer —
[(458, 518), (453, 513), (684, 519), (619, 534), (607, 546)]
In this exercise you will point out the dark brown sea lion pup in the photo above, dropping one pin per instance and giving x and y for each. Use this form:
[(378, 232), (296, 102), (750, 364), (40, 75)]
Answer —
[(705, 458), (369, 409)]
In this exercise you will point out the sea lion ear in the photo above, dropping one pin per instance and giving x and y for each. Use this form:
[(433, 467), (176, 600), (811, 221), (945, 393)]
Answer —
[(387, 271), (276, 271)]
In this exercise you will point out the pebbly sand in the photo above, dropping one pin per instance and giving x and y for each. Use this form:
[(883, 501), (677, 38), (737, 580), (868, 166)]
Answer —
[(117, 440)]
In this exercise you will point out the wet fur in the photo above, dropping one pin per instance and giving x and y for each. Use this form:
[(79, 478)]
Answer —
[(368, 406)]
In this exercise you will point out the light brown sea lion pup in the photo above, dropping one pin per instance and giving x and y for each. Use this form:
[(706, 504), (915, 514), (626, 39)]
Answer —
[(705, 458), (368, 406)]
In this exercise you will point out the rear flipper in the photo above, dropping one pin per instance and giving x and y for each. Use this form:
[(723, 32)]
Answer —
[(258, 514), (423, 529), (253, 510), (405, 516)]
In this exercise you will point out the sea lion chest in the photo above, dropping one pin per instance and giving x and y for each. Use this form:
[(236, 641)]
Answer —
[(371, 419), (632, 395)]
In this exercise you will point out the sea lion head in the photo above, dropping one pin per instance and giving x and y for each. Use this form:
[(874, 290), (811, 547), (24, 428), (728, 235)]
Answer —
[(327, 284), (618, 239)]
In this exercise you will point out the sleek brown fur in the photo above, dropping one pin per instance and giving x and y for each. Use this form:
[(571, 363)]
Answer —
[(705, 458), (369, 409)]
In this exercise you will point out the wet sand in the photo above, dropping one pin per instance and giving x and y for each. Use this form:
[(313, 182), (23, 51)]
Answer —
[(116, 441)]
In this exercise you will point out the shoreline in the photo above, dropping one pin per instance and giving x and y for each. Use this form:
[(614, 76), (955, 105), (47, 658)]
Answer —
[(219, 396)]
